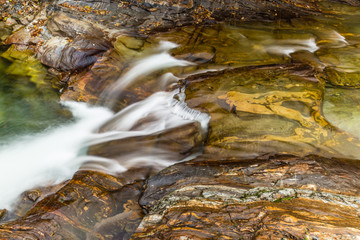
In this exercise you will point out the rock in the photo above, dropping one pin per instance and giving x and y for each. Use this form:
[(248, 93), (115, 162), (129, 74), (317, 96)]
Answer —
[(342, 68), (10, 22), (24, 21), (29, 199), (72, 55), (272, 197), (88, 85), (172, 144), (130, 42), (33, 34), (149, 14), (92, 205), (267, 98), (108, 19), (17, 27), (21, 37), (339, 108), (3, 214), (64, 26), (92, 85), (267, 109)]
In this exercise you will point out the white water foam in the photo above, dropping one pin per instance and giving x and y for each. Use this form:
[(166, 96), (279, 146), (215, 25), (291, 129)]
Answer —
[(52, 156), (289, 46), (49, 157), (143, 67), (154, 115), (331, 38), (158, 113), (163, 110)]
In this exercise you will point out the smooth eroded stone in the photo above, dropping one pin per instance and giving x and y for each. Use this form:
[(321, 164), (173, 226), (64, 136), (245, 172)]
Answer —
[(219, 46), (341, 108), (73, 55), (92, 85), (267, 109), (271, 197), (29, 199), (88, 85), (336, 176), (130, 42), (147, 15), (92, 205), (65, 26), (152, 150), (342, 65), (238, 214)]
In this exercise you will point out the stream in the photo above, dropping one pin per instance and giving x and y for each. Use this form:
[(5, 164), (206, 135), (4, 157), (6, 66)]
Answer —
[(56, 152), (220, 91)]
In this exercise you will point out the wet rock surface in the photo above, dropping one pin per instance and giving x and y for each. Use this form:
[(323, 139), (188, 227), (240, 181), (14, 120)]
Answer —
[(279, 160), (92, 205), (251, 113), (272, 197), (75, 55), (56, 23)]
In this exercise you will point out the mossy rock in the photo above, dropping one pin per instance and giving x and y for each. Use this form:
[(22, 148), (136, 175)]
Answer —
[(25, 64)]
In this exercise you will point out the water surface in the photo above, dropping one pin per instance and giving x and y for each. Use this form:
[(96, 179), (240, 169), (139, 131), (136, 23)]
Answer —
[(286, 87)]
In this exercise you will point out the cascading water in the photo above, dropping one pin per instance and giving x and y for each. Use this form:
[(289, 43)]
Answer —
[(48, 157), (155, 115), (52, 156), (150, 64)]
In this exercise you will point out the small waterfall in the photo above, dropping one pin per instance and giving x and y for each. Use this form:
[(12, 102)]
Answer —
[(161, 60), (53, 156), (165, 110), (152, 116), (48, 157)]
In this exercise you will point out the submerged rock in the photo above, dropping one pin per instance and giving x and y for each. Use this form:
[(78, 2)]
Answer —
[(341, 108), (342, 66), (267, 109)]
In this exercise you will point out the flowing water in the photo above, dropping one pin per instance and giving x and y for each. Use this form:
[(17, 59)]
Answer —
[(51, 153), (250, 111)]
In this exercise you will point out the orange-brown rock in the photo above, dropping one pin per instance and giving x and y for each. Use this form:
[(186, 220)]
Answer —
[(273, 197), (274, 105), (92, 205), (90, 84)]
